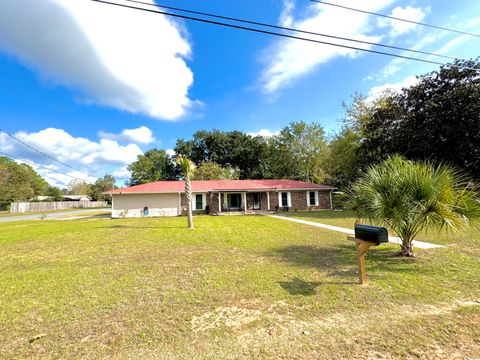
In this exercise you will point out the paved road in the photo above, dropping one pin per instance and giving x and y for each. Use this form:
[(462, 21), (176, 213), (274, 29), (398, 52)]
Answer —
[(50, 215)]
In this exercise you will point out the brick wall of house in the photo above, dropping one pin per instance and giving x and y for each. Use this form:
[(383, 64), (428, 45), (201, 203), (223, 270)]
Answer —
[(273, 200), (263, 201), (324, 200), (299, 200), (212, 202), (249, 201)]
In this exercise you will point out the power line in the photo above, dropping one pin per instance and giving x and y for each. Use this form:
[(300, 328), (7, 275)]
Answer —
[(44, 167), (44, 154), (396, 18), (284, 35), (292, 29)]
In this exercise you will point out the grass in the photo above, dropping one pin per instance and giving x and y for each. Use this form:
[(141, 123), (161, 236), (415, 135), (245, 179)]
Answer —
[(94, 213), (234, 287), (6, 213), (347, 219), (343, 218)]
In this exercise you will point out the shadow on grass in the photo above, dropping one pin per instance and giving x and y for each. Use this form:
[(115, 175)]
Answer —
[(99, 216), (341, 261), (308, 288), (299, 287), (140, 227)]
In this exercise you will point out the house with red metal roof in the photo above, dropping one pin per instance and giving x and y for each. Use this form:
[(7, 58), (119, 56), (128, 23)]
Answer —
[(217, 197)]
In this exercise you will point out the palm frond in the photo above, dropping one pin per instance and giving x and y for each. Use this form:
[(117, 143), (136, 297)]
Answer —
[(410, 196)]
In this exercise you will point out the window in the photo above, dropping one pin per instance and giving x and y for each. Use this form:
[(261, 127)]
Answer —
[(234, 201), (284, 199), (198, 202), (312, 198), (256, 201)]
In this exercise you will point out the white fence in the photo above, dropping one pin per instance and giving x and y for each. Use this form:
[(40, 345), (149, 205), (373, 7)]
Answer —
[(24, 207)]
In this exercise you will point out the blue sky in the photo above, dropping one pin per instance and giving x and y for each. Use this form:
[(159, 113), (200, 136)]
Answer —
[(94, 86)]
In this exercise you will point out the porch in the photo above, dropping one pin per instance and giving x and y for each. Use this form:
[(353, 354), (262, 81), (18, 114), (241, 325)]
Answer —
[(244, 202)]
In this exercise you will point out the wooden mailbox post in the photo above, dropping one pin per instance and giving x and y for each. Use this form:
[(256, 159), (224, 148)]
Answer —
[(362, 249), (365, 237)]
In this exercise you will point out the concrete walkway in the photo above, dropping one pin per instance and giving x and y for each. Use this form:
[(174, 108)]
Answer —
[(391, 239), (50, 215)]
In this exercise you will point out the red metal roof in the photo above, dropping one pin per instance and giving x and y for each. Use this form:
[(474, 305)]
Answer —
[(219, 185)]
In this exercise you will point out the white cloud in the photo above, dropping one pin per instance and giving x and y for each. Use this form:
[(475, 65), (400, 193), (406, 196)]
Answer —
[(286, 17), (407, 13), (94, 158), (58, 177), (264, 133), (62, 181), (392, 68), (140, 135), (122, 173), (290, 59), (396, 65), (377, 91), (470, 25), (445, 49), (170, 152), (127, 59)]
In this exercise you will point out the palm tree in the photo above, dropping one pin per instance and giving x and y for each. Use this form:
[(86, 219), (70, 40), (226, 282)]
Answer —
[(187, 167), (410, 196)]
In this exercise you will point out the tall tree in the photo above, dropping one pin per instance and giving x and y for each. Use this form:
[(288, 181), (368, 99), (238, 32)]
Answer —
[(54, 193), (187, 167), (229, 149), (38, 184), (154, 165), (106, 183), (437, 119), (301, 152), (78, 187), (213, 171), (18, 182), (344, 164)]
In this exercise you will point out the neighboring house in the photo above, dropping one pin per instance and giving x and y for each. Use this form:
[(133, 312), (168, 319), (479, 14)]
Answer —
[(167, 198), (76, 198), (64, 198), (42, 198)]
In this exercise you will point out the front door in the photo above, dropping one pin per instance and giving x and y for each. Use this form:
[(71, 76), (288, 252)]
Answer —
[(256, 201), (234, 201)]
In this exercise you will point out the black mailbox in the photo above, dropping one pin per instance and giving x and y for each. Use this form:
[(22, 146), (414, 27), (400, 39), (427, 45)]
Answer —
[(375, 234)]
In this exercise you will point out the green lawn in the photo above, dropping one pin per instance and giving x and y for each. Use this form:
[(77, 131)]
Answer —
[(347, 219), (234, 287)]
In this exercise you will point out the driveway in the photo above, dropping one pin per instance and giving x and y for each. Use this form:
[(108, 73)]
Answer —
[(51, 215)]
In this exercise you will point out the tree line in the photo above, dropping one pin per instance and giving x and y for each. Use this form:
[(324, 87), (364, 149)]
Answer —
[(20, 182), (297, 152), (438, 120)]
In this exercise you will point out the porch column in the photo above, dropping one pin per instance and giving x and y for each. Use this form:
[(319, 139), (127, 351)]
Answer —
[(245, 202), (219, 202), (268, 200)]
